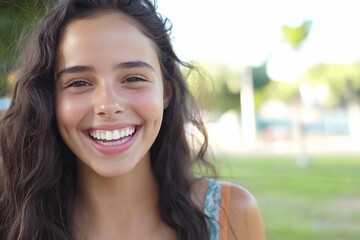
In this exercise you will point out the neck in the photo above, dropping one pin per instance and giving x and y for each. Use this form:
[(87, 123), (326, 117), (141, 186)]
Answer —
[(104, 204)]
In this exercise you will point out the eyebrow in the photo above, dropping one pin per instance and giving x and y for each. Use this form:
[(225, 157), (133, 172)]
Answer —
[(134, 64), (75, 69), (123, 65)]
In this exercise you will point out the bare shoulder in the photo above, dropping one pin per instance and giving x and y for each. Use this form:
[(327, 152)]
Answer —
[(243, 214), (245, 222)]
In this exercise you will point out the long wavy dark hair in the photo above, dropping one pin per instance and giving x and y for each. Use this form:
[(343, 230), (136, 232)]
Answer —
[(38, 171)]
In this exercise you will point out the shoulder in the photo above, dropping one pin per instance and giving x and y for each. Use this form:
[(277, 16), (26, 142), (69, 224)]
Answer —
[(239, 211), (244, 216)]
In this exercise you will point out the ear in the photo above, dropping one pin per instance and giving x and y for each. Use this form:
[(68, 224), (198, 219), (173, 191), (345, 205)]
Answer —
[(167, 95)]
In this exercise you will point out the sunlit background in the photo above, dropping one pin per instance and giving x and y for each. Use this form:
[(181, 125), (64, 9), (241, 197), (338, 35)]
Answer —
[(279, 90), (302, 59)]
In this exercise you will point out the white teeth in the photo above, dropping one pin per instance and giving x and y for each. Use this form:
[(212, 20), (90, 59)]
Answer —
[(116, 134), (108, 135), (114, 143), (111, 135), (122, 133)]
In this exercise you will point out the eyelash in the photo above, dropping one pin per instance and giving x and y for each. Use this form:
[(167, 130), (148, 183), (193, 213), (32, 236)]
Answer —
[(74, 83), (134, 77)]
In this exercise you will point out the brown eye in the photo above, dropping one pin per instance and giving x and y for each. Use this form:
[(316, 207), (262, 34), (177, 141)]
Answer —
[(78, 83), (134, 78)]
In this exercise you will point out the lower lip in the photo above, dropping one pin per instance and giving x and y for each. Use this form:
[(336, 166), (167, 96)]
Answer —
[(116, 149)]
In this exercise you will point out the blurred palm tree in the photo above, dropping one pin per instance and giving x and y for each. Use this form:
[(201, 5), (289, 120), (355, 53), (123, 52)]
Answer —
[(295, 36)]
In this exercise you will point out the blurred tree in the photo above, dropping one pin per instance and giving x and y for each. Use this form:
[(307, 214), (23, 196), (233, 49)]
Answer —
[(260, 82), (260, 76), (295, 35), (282, 91), (343, 81), (217, 86), (228, 91), (265, 88), (15, 15)]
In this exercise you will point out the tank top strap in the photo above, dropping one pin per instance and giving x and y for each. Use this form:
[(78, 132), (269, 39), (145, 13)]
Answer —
[(216, 208)]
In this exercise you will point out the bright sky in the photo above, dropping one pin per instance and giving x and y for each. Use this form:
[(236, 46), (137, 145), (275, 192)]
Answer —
[(246, 32)]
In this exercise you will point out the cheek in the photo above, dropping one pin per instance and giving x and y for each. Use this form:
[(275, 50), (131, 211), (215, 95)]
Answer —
[(68, 111), (150, 104)]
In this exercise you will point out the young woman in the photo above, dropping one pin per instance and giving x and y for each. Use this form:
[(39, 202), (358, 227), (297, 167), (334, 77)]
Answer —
[(94, 145)]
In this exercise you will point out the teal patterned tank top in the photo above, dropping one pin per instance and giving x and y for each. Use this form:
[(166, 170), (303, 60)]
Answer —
[(216, 207)]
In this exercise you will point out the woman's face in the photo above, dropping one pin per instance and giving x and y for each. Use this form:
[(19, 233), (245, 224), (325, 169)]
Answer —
[(110, 93)]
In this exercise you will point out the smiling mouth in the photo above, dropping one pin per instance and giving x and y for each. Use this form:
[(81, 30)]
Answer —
[(112, 137)]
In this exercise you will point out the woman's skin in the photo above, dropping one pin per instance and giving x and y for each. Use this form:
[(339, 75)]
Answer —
[(109, 83)]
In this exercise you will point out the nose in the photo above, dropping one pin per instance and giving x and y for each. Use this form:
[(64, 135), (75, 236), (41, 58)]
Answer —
[(108, 102)]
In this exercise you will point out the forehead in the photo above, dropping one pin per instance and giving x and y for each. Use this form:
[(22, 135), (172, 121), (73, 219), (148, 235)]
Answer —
[(105, 34)]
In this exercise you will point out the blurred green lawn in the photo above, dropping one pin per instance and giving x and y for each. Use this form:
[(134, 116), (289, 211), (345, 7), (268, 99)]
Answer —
[(321, 201)]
